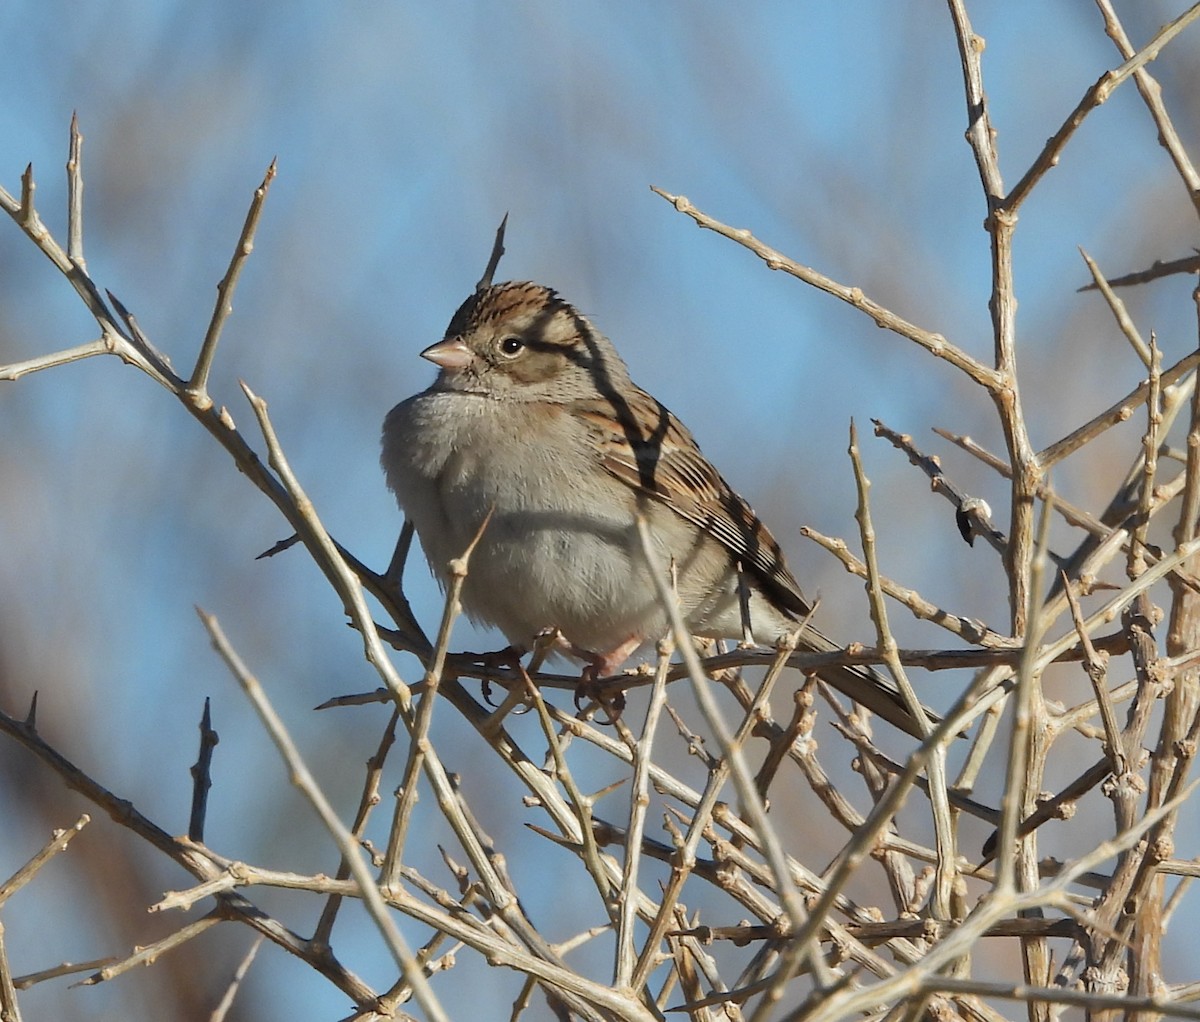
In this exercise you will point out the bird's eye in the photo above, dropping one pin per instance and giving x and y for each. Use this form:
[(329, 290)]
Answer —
[(511, 346)]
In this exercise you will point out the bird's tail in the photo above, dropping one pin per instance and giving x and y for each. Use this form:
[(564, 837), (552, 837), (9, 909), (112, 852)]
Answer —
[(865, 686)]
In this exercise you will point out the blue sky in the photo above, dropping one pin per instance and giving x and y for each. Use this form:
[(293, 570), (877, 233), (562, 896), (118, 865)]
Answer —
[(403, 132)]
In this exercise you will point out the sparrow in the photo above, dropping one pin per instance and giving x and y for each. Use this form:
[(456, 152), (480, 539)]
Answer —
[(534, 420)]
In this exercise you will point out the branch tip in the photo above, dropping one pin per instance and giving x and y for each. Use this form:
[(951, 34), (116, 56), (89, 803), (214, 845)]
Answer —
[(494, 259)]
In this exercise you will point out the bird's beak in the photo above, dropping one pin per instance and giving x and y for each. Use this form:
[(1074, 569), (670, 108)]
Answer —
[(451, 353)]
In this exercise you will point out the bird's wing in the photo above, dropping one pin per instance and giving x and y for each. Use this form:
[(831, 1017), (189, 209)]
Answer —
[(641, 443), (647, 448)]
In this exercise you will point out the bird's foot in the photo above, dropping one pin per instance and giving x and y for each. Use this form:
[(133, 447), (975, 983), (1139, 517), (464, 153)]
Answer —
[(507, 659), (600, 666)]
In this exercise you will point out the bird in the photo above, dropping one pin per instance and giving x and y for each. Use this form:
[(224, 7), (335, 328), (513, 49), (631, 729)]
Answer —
[(534, 425)]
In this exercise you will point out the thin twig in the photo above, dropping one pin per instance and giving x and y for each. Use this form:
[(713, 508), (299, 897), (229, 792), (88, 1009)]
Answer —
[(580, 804), (1156, 271), (972, 514), (15, 370), (495, 257), (1114, 414), (197, 386), (843, 1003), (639, 802), (1059, 995), (367, 801), (75, 195), (934, 343), (151, 952), (1120, 313), (972, 631), (742, 777), (1096, 665), (199, 862), (1151, 93), (347, 845), (1001, 226), (863, 842), (10, 1010), (936, 772), (235, 983), (1163, 494), (415, 763), (57, 843), (1150, 443), (684, 861), (1097, 94)]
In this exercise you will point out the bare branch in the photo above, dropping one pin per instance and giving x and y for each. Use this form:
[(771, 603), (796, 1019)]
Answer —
[(346, 842), (75, 196), (198, 384), (1098, 93), (934, 343), (495, 257)]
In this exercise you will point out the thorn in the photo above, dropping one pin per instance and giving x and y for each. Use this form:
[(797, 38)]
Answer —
[(279, 547)]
